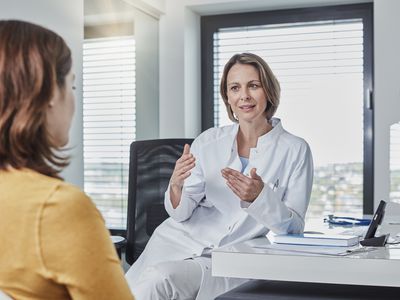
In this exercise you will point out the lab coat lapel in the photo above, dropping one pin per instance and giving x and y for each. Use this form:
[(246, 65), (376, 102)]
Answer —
[(221, 155)]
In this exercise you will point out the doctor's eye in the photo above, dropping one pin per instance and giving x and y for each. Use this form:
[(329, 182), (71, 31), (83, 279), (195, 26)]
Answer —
[(234, 88), (254, 86)]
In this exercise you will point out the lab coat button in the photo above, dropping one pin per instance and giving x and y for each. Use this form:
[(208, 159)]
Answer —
[(211, 246), (194, 254)]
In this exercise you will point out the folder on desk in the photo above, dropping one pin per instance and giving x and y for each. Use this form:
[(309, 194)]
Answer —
[(317, 239)]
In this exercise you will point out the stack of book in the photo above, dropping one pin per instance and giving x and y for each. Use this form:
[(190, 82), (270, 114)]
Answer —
[(317, 239)]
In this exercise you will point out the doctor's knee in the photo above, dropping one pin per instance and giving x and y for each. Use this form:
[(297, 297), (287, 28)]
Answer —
[(156, 280)]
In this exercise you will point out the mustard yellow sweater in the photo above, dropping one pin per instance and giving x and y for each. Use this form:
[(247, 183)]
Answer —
[(53, 242)]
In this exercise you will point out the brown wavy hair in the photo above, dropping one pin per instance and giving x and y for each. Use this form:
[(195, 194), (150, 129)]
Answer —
[(268, 80), (33, 60)]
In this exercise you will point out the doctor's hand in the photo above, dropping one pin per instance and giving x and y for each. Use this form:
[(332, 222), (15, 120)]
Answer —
[(181, 171), (246, 188)]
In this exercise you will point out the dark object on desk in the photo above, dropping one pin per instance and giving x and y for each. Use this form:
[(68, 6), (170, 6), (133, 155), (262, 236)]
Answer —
[(150, 168), (283, 290), (119, 243), (370, 238)]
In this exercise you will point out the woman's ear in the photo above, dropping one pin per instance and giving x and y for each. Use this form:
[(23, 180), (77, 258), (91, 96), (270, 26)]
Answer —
[(57, 94)]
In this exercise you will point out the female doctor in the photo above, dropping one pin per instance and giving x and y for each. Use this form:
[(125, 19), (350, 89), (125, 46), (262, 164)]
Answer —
[(234, 184)]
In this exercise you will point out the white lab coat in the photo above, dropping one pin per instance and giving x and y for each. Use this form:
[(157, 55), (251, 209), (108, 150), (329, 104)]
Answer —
[(211, 215)]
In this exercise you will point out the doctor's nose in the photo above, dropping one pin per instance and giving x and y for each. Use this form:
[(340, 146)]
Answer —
[(244, 96)]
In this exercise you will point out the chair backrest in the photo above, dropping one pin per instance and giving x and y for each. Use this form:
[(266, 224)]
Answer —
[(150, 168)]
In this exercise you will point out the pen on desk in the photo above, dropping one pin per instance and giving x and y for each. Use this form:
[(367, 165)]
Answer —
[(359, 250)]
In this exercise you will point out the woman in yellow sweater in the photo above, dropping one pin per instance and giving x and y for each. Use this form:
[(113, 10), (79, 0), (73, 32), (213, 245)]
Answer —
[(53, 242)]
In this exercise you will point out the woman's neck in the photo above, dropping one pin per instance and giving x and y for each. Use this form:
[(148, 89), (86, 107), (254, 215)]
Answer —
[(248, 135)]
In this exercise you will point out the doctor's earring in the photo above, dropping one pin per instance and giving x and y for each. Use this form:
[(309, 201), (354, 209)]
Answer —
[(236, 118), (233, 114)]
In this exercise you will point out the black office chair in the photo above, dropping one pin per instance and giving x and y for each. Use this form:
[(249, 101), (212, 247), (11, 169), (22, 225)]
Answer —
[(150, 168)]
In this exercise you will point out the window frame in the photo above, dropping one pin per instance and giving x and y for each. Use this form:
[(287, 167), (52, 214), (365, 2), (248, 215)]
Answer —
[(210, 24)]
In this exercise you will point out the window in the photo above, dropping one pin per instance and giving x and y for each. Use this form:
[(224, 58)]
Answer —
[(108, 123), (322, 58), (395, 163)]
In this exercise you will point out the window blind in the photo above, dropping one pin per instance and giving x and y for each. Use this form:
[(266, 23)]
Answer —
[(395, 163), (320, 68), (108, 123)]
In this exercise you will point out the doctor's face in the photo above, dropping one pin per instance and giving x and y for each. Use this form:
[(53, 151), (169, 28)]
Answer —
[(245, 93)]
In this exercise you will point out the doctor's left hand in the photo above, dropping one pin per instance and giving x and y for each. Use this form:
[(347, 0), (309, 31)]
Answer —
[(246, 188)]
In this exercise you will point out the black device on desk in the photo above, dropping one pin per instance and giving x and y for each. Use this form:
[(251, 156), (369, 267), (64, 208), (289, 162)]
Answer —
[(370, 239)]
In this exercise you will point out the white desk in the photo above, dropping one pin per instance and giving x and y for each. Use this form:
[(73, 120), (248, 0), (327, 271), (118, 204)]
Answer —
[(377, 268)]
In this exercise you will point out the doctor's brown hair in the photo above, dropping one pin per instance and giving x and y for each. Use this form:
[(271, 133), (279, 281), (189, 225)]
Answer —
[(33, 61), (268, 80)]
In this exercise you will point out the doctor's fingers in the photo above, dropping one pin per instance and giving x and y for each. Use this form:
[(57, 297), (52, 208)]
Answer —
[(184, 168), (234, 189), (183, 176), (244, 187), (179, 175), (246, 192), (232, 172), (184, 163), (235, 175), (248, 186), (185, 157)]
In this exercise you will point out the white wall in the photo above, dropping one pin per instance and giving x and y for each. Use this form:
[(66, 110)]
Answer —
[(147, 83), (180, 103), (387, 88), (180, 72), (65, 18), (172, 77), (192, 64)]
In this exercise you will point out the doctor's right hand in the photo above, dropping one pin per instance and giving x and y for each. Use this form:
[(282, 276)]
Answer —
[(182, 170)]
